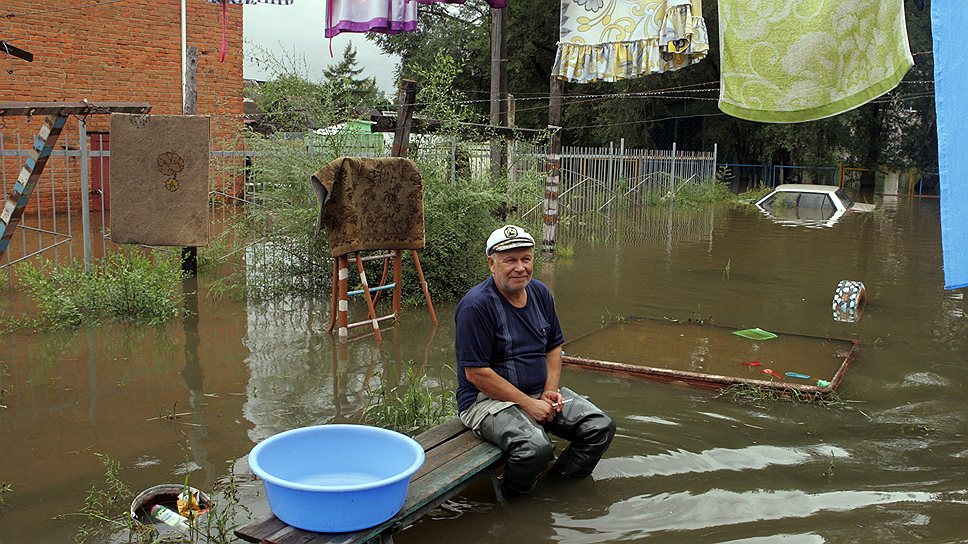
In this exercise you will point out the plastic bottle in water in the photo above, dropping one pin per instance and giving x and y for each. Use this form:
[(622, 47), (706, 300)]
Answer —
[(169, 516)]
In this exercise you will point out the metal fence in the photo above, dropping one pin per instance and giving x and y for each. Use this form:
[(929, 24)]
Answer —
[(62, 226), (599, 179)]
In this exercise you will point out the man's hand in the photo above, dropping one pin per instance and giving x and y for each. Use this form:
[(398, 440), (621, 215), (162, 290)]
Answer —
[(554, 398), (540, 409)]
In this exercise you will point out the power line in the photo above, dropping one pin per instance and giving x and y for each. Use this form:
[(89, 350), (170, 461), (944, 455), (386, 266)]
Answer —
[(646, 121)]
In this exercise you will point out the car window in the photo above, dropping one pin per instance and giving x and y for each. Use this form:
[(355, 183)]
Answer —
[(844, 198), (781, 200), (814, 201)]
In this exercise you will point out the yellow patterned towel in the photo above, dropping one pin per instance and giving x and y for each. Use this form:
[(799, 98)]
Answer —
[(611, 40), (787, 61)]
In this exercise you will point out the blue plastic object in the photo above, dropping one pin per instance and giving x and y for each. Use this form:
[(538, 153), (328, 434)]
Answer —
[(336, 478), (798, 375)]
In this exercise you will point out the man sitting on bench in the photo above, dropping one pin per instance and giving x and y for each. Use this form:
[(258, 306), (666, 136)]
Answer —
[(509, 363)]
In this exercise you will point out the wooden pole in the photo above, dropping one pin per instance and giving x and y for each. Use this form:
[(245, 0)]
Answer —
[(405, 102), (499, 86), (189, 255), (553, 181)]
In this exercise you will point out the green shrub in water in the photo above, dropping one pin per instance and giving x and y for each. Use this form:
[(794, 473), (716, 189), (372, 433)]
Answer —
[(123, 286), (412, 407)]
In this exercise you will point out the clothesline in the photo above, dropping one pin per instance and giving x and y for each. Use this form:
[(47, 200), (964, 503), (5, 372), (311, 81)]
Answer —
[(580, 98)]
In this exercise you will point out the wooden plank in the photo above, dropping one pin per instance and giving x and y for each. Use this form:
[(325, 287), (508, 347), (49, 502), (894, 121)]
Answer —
[(462, 445), (71, 108), (440, 434), (405, 103), (403, 521), (257, 531), (454, 457)]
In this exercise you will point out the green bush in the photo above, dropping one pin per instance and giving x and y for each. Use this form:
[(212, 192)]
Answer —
[(414, 406), (123, 286), (458, 218)]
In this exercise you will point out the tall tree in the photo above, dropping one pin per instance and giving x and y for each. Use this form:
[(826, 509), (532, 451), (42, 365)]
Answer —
[(346, 85)]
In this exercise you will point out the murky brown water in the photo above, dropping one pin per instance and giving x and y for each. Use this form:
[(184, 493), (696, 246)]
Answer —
[(685, 467)]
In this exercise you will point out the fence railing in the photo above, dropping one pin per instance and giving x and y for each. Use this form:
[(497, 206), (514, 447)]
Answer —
[(62, 226), (598, 179)]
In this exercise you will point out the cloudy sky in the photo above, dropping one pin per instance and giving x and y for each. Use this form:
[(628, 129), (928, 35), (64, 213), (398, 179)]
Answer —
[(294, 33)]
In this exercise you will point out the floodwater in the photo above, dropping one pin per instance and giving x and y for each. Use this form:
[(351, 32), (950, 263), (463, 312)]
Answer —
[(686, 466)]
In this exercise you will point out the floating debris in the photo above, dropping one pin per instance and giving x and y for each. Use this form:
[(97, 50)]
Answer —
[(755, 334)]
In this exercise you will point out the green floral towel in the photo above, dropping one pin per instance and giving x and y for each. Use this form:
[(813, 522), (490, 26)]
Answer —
[(786, 61)]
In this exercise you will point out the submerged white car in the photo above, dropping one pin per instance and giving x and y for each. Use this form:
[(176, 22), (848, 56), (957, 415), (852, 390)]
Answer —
[(820, 205)]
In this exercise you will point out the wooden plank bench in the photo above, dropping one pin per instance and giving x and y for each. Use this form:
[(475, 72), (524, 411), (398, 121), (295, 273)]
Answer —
[(455, 457)]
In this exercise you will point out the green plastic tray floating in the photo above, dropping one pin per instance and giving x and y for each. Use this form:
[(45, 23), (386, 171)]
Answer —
[(755, 334)]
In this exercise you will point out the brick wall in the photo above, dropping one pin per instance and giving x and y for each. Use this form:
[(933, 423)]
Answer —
[(126, 51)]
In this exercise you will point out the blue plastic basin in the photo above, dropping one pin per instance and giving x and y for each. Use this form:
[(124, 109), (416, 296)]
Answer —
[(336, 478)]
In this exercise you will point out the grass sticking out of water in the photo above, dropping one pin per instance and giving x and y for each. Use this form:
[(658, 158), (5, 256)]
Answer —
[(126, 286), (5, 488), (412, 407), (754, 394)]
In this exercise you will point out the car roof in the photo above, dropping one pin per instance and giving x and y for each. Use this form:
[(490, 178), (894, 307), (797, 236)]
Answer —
[(805, 188)]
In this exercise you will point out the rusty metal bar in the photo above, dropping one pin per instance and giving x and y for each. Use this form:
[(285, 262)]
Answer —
[(71, 108)]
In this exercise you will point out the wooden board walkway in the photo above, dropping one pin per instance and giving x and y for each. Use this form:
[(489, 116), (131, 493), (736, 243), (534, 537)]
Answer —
[(455, 457)]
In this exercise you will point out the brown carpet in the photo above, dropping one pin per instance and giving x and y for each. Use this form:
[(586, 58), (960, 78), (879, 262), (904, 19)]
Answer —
[(370, 203)]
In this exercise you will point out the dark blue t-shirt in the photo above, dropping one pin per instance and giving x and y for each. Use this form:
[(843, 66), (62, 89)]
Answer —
[(514, 342)]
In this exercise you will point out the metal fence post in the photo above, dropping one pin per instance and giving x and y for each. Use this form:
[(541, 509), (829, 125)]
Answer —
[(453, 160), (621, 165), (672, 169), (85, 191), (715, 159)]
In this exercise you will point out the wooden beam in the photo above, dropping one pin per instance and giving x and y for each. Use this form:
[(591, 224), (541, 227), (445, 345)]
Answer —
[(15, 51), (71, 108), (404, 120), (189, 255), (388, 123), (499, 86), (553, 181)]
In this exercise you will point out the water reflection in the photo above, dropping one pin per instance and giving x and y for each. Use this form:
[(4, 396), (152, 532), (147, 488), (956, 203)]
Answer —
[(682, 512), (301, 375), (686, 466)]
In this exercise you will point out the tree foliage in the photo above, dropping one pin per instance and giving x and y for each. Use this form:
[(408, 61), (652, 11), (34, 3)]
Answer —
[(295, 103)]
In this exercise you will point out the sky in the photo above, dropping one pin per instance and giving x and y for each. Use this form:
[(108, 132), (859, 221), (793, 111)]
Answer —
[(294, 34)]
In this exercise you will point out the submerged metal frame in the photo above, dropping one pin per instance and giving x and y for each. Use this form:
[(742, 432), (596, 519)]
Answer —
[(716, 381)]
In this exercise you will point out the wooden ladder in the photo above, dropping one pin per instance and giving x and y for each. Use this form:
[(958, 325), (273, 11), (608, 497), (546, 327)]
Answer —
[(17, 200), (341, 293)]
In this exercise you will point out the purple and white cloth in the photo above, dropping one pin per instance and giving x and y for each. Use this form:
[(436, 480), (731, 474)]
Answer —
[(384, 16)]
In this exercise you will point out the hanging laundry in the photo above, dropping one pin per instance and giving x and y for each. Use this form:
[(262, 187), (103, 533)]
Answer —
[(612, 40), (949, 20), (225, 4), (793, 61), (383, 16)]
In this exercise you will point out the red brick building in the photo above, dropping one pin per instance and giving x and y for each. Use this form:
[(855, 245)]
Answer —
[(116, 51)]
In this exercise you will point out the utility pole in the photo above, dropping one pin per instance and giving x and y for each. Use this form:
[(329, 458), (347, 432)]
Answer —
[(553, 181), (189, 255), (499, 86)]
